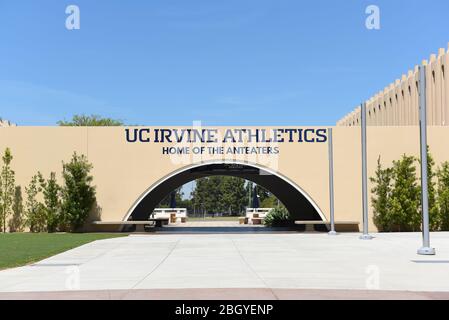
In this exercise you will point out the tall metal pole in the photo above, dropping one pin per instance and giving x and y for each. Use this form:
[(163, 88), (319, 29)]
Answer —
[(426, 249), (366, 235), (331, 181)]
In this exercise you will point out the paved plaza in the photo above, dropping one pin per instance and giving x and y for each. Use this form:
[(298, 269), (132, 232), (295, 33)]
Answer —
[(241, 266)]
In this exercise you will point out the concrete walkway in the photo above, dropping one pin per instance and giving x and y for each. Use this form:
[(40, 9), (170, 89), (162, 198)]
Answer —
[(276, 264)]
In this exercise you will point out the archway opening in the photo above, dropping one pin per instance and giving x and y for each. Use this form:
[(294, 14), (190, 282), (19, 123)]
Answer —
[(296, 201), (224, 198)]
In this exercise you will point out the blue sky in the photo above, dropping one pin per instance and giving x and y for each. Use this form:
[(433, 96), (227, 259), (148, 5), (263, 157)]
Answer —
[(233, 62)]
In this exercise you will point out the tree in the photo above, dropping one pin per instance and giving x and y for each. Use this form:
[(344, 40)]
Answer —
[(78, 194), (219, 194), (51, 191), (212, 195), (17, 221), (443, 196), (90, 121), (199, 195), (7, 188), (227, 198), (381, 197), (270, 202), (405, 200), (233, 195), (35, 210)]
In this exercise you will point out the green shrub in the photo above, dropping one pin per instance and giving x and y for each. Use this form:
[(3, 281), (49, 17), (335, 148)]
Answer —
[(278, 217), (78, 194), (17, 223), (381, 197), (396, 196), (405, 196), (443, 196), (34, 209), (51, 191), (270, 202), (434, 218), (7, 188)]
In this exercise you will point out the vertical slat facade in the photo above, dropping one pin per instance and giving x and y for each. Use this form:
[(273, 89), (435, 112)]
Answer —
[(397, 104)]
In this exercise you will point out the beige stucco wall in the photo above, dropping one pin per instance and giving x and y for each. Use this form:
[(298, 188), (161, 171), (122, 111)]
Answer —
[(124, 171), (390, 143)]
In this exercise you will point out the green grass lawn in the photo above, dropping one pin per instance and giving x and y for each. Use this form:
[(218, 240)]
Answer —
[(18, 249)]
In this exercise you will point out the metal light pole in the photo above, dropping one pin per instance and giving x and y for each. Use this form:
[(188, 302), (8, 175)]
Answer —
[(366, 235), (331, 181), (426, 249)]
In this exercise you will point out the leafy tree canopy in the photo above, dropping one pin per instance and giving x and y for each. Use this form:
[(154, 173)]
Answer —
[(90, 121)]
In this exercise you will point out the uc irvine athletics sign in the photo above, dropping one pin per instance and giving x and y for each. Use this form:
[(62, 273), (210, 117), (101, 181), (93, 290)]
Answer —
[(147, 135), (235, 141)]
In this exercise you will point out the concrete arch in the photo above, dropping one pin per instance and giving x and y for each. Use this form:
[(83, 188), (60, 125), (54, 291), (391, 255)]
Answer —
[(282, 187)]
